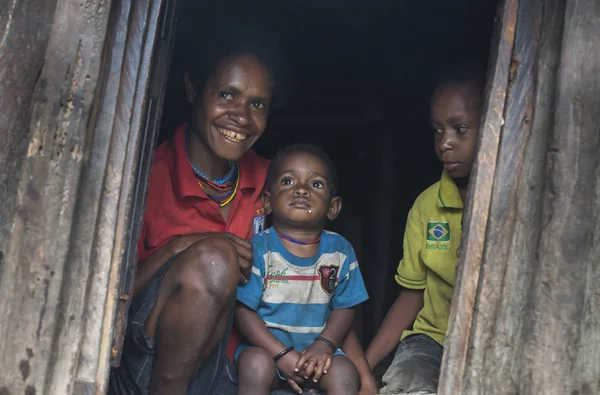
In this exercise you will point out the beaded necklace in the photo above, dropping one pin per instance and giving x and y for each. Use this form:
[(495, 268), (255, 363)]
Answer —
[(228, 184), (288, 238)]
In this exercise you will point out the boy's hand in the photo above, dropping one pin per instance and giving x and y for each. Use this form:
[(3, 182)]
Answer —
[(287, 367), (315, 361), (368, 386)]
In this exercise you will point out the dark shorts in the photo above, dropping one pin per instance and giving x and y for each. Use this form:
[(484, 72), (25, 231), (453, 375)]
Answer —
[(132, 377), (415, 368)]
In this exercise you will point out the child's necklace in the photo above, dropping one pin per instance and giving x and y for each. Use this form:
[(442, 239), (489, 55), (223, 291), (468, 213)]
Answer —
[(298, 242)]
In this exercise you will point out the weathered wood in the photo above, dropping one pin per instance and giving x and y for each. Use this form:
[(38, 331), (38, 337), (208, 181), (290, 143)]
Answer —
[(477, 209), (36, 280), (536, 319), (24, 31)]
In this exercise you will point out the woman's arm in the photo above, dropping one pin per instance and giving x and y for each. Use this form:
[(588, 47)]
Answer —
[(400, 317)]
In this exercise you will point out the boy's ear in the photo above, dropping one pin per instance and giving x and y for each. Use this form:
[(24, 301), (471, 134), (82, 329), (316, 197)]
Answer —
[(265, 197), (190, 89), (334, 208)]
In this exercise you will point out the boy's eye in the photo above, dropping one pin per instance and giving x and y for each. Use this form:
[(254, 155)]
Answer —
[(461, 128), (318, 184), (226, 95), (258, 105), (287, 181)]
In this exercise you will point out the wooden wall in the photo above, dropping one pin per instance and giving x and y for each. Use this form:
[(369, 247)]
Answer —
[(526, 316)]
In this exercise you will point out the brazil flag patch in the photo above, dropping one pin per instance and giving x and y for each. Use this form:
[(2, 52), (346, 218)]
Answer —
[(438, 231)]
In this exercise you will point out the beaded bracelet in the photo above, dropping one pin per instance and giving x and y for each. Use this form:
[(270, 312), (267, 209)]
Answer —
[(327, 341), (282, 353)]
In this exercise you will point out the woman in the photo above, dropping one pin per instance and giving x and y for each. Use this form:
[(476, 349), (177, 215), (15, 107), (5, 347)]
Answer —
[(203, 204)]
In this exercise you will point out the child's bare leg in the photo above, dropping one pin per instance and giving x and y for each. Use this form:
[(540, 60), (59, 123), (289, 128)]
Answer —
[(341, 378), (256, 370)]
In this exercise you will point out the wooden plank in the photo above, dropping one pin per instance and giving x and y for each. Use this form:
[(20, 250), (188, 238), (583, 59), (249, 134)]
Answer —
[(24, 32), (477, 209), (42, 298), (535, 326), (562, 347)]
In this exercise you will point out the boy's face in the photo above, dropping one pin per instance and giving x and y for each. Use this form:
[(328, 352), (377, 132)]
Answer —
[(455, 119), (300, 193), (231, 113)]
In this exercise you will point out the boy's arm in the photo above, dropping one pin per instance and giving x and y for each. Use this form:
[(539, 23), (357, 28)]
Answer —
[(353, 349), (253, 328), (400, 317)]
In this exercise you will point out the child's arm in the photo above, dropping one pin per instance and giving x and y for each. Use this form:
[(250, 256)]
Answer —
[(400, 317), (253, 328)]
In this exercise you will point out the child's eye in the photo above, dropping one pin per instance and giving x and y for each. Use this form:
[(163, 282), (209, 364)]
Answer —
[(226, 95), (461, 128), (437, 130), (258, 105), (287, 181), (318, 184)]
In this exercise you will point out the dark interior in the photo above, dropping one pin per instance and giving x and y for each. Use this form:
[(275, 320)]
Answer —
[(360, 78)]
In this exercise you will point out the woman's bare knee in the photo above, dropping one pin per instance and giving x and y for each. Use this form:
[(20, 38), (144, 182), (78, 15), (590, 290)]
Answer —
[(210, 268)]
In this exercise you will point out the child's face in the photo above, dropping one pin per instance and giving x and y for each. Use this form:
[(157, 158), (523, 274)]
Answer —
[(300, 193), (232, 112), (455, 119)]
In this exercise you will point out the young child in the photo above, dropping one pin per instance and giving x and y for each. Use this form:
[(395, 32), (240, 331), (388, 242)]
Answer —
[(298, 303), (431, 241)]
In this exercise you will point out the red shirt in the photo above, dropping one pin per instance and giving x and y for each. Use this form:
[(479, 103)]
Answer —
[(177, 205)]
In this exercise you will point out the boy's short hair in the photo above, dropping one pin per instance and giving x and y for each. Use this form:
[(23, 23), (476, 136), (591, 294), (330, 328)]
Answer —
[(332, 177), (472, 72), (204, 56)]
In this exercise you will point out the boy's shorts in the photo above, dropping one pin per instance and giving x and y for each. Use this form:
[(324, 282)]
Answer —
[(216, 377), (415, 368)]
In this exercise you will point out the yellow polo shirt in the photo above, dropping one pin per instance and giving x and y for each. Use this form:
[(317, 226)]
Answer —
[(431, 238)]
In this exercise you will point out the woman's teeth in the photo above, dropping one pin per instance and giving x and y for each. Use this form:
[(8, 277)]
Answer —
[(232, 135)]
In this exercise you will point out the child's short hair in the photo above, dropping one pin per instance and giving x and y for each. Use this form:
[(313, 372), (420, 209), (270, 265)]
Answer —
[(332, 177), (471, 73), (203, 57)]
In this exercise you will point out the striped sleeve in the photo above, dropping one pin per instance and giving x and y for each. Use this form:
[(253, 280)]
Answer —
[(412, 272), (351, 289), (250, 293)]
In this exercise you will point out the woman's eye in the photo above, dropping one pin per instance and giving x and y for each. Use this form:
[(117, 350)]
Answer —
[(287, 181), (318, 184), (226, 95), (258, 105), (437, 130), (461, 128)]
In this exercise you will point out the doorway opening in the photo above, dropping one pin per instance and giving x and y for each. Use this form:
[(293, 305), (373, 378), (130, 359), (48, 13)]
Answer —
[(359, 82)]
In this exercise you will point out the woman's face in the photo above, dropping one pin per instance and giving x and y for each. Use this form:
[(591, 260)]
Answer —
[(231, 113)]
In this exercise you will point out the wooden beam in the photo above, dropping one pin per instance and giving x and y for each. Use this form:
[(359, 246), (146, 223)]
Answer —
[(477, 209), (535, 322)]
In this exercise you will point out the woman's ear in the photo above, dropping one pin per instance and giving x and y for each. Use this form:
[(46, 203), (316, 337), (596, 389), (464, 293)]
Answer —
[(265, 197), (190, 89), (334, 208)]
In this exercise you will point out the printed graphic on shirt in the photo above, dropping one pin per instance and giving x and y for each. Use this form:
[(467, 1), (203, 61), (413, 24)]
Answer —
[(328, 276), (438, 231)]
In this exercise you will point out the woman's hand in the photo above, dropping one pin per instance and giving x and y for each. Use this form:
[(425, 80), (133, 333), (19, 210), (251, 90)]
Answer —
[(315, 360), (287, 367), (242, 246)]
